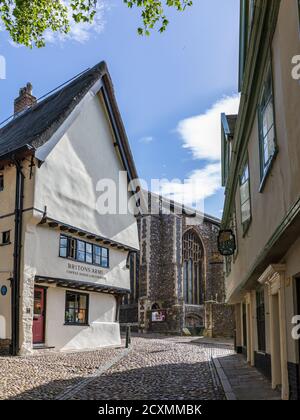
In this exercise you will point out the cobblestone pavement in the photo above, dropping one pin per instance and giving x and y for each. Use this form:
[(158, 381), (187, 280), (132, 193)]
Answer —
[(160, 369), (46, 376), (156, 368)]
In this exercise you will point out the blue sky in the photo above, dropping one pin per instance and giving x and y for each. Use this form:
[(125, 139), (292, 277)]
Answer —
[(168, 86)]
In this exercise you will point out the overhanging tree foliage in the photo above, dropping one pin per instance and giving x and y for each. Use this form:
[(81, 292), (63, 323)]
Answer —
[(27, 20), (153, 12)]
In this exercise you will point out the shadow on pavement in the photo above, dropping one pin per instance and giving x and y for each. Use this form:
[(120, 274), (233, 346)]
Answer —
[(183, 381)]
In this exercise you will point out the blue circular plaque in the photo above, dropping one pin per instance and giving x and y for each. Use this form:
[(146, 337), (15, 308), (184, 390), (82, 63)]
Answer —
[(3, 290)]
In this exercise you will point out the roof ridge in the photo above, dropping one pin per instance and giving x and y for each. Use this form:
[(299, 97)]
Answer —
[(47, 96)]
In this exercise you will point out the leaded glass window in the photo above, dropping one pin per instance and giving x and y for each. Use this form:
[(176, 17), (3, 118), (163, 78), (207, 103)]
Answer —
[(192, 268)]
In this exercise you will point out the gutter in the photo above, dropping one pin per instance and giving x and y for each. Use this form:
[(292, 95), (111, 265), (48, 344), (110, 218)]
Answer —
[(15, 283)]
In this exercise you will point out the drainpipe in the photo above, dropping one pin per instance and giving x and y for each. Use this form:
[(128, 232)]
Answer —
[(15, 290)]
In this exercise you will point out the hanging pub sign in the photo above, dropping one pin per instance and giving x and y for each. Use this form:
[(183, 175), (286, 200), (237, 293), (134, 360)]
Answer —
[(226, 242)]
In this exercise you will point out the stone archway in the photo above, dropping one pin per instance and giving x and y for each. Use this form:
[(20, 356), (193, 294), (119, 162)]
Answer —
[(194, 323)]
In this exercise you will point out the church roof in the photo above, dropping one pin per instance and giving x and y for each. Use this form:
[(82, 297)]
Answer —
[(159, 203)]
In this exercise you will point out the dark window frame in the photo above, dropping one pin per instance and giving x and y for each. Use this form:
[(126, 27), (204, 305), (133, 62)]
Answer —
[(261, 320), (72, 250), (1, 182), (5, 239), (86, 309), (247, 11), (245, 223), (266, 98), (192, 266)]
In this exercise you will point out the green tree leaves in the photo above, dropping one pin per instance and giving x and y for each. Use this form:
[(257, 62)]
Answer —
[(27, 20), (153, 12)]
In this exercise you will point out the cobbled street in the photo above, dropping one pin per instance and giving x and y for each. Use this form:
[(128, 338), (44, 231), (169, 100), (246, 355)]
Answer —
[(155, 368)]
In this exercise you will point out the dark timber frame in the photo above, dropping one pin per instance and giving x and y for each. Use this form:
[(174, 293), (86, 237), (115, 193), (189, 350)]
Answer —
[(81, 285), (18, 141), (15, 286)]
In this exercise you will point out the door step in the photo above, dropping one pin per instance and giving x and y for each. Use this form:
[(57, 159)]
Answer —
[(42, 348)]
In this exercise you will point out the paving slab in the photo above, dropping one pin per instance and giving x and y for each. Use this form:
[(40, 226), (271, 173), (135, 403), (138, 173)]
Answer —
[(240, 381)]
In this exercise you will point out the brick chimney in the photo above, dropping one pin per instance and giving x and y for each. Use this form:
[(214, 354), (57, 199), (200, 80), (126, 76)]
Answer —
[(25, 99)]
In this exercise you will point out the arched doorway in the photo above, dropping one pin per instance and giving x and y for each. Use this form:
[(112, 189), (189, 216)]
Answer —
[(193, 256)]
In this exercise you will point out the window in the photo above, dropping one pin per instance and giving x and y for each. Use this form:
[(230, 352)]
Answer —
[(83, 251), (104, 257), (245, 196), (97, 255), (261, 321), (266, 126), (227, 136), (1, 182), (63, 246), (89, 253), (192, 268), (6, 238), (76, 308)]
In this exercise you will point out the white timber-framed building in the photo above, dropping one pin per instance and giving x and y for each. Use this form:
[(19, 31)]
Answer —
[(63, 265)]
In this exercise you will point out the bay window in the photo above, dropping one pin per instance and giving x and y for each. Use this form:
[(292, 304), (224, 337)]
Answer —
[(82, 251)]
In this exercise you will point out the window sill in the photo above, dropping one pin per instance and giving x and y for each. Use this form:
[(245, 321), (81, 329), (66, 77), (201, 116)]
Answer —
[(267, 172), (67, 324), (6, 244)]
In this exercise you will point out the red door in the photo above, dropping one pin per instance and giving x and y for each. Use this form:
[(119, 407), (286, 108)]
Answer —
[(38, 328)]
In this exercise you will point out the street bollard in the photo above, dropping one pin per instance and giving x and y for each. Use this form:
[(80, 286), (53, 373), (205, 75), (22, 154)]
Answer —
[(128, 336)]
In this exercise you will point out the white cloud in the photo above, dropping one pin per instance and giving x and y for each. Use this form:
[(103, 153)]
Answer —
[(146, 140), (80, 32), (199, 185), (202, 134)]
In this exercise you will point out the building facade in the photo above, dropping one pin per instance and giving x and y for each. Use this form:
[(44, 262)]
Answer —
[(261, 170), (177, 279), (63, 262)]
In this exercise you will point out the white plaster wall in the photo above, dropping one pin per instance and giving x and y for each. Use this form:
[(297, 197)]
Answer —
[(45, 246), (102, 330), (66, 182), (5, 309)]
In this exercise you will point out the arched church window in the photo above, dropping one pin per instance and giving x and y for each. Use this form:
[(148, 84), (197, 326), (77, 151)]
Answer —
[(192, 268)]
